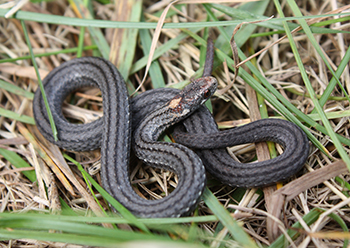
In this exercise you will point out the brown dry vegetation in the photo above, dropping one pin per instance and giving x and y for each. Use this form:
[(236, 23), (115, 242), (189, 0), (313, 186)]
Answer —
[(56, 178)]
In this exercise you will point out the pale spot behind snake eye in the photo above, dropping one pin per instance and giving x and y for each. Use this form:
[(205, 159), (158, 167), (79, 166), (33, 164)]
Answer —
[(175, 102)]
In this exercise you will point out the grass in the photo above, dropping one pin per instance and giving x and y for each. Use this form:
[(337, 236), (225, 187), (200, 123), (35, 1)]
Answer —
[(314, 96)]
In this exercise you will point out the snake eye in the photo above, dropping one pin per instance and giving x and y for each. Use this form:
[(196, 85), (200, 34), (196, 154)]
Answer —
[(206, 94)]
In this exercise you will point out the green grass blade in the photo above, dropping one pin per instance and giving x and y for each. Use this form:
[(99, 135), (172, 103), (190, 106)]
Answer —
[(225, 218), (253, 83), (285, 103), (120, 208), (331, 115), (15, 89), (68, 50), (330, 21), (15, 116), (242, 14), (83, 217), (342, 224), (315, 44), (81, 42), (128, 49), (96, 34), (52, 123), (18, 162), (138, 65), (274, 24), (63, 20), (309, 219), (332, 83), (71, 227), (305, 77), (40, 227), (155, 71), (284, 106), (222, 55), (242, 35), (7, 234)]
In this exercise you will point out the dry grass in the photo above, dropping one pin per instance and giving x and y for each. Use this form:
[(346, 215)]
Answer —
[(233, 107)]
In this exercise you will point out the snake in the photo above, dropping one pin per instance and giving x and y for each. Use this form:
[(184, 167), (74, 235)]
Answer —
[(141, 120)]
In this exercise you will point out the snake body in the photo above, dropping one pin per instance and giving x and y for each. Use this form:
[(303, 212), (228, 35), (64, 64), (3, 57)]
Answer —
[(201, 133), (116, 130), (151, 113)]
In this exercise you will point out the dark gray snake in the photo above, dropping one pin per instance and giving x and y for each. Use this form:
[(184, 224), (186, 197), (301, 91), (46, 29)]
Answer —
[(151, 113)]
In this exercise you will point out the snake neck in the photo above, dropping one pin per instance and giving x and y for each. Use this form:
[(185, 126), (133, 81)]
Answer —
[(157, 122)]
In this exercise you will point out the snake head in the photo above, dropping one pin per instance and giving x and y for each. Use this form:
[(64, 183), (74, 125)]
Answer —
[(193, 95)]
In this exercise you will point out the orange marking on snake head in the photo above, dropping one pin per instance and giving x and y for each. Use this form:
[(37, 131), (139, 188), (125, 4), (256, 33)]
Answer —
[(175, 102)]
